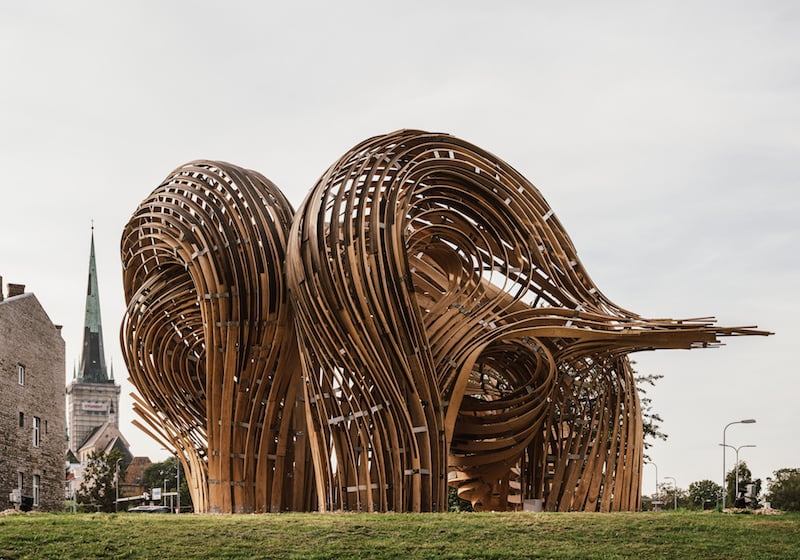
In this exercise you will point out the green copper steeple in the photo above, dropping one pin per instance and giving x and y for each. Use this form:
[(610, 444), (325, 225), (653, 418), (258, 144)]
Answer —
[(93, 362)]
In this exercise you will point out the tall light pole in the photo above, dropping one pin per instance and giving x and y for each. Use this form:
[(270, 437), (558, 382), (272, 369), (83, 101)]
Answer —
[(724, 488), (116, 485), (736, 449), (675, 492), (656, 466)]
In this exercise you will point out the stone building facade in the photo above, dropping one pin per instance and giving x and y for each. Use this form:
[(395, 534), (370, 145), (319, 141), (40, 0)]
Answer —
[(32, 415)]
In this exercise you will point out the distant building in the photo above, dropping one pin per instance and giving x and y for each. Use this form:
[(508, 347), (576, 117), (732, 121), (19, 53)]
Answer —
[(105, 439), (133, 483), (32, 416), (93, 397)]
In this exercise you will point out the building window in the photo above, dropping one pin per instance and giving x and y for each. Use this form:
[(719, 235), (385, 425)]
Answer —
[(36, 490), (21, 374), (37, 425), (21, 419)]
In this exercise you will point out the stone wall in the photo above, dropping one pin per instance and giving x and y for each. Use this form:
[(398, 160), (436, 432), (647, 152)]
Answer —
[(29, 338)]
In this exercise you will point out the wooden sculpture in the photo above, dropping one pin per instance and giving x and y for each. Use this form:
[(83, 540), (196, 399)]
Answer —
[(426, 322), (209, 338)]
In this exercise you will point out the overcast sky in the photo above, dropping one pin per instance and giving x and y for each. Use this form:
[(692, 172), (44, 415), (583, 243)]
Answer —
[(666, 137)]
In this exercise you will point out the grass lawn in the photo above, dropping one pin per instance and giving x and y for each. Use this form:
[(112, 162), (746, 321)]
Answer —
[(405, 536)]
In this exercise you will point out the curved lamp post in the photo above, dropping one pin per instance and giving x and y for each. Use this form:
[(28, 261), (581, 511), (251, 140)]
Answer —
[(724, 445), (736, 449), (656, 466), (675, 492)]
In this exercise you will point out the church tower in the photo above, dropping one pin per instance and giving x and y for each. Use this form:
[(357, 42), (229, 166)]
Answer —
[(93, 397)]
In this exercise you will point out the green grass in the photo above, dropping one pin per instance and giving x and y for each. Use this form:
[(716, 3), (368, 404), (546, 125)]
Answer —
[(407, 536)]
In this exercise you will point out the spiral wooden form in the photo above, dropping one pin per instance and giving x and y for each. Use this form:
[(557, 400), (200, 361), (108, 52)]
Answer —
[(446, 334), (209, 339)]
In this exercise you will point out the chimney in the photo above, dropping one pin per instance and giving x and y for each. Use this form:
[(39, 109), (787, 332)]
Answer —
[(16, 290)]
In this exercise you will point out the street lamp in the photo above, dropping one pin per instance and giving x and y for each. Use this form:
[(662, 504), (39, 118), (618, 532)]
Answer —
[(657, 501), (736, 449), (116, 485), (745, 421), (675, 493)]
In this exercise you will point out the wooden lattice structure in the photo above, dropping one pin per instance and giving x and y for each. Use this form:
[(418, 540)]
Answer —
[(422, 321), (209, 338)]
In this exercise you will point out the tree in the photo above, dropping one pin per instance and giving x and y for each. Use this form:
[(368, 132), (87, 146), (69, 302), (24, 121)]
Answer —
[(98, 491), (651, 420), (784, 490), (704, 492), (163, 475), (669, 494), (745, 478), (455, 503)]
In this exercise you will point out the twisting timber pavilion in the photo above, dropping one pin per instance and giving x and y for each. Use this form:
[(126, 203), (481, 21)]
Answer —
[(423, 320)]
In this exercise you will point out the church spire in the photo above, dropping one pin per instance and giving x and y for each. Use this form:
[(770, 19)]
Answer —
[(93, 363)]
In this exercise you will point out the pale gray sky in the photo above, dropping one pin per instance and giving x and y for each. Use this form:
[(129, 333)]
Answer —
[(666, 137)]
